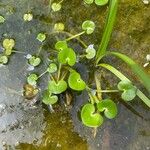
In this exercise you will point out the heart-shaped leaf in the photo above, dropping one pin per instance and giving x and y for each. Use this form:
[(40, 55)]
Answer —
[(75, 82), (32, 78), (34, 61), (41, 37), (8, 43), (89, 1), (61, 45), (101, 2), (56, 6), (67, 56), (2, 19), (57, 88), (129, 91), (109, 108), (49, 99), (88, 26), (89, 117), (91, 52), (52, 68), (3, 59)]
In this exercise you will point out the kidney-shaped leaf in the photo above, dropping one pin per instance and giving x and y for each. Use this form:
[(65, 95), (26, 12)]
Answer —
[(88, 26), (60, 45), (67, 56), (89, 1), (34, 61), (52, 68), (57, 88), (75, 82), (101, 2), (89, 117), (108, 107)]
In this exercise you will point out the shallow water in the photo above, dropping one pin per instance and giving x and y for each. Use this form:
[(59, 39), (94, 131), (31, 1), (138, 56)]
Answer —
[(26, 126)]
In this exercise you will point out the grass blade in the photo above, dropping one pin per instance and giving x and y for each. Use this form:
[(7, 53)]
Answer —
[(107, 30), (140, 94)]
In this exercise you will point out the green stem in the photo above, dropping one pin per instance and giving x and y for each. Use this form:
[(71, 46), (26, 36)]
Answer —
[(107, 30), (59, 71), (75, 36), (60, 1), (108, 91), (117, 73), (18, 52), (42, 74)]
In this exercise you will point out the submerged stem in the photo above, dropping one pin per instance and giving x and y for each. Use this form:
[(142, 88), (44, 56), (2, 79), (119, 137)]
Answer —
[(74, 36)]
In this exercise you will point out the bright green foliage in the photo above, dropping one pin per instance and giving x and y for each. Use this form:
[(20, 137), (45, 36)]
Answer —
[(52, 68), (3, 59), (89, 1), (88, 26), (31, 79), (101, 2), (2, 19), (34, 61), (48, 98), (8, 45), (56, 6), (89, 117), (61, 45), (41, 37), (57, 88), (67, 56), (75, 82), (108, 107), (129, 91), (91, 52)]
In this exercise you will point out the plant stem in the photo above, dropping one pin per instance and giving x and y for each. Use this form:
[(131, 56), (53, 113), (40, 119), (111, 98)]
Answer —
[(52, 78), (42, 74), (107, 30), (75, 36), (60, 1), (18, 52), (59, 71), (108, 91)]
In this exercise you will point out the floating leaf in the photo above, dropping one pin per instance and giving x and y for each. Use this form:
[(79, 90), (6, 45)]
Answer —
[(89, 117), (41, 37), (89, 1), (88, 26), (56, 7), (8, 45), (101, 2), (52, 68), (108, 107), (129, 91), (2, 19), (28, 17), (91, 52), (61, 45), (49, 99), (57, 88), (31, 79), (67, 56), (3, 59), (59, 27), (75, 82), (34, 61)]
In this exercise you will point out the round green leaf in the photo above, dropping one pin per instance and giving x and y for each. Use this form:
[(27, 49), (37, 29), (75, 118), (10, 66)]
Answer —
[(3, 59), (49, 99), (89, 1), (41, 37), (31, 79), (75, 82), (56, 6), (91, 52), (129, 95), (52, 68), (61, 45), (67, 56), (101, 2), (34, 61), (8, 43), (2, 19), (89, 117), (88, 26), (109, 108), (57, 88), (125, 85), (59, 27)]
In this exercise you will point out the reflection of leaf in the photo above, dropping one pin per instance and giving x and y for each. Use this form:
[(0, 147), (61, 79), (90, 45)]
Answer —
[(67, 56), (89, 117), (129, 91), (48, 98), (75, 82), (57, 88), (109, 108), (88, 26)]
